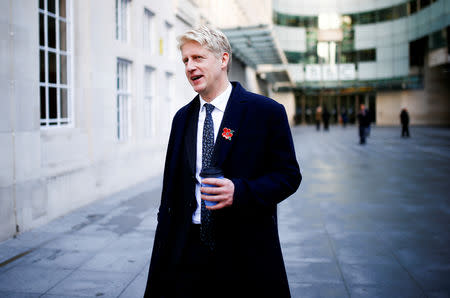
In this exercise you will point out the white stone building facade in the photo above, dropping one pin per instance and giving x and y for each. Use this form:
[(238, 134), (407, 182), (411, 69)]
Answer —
[(89, 91)]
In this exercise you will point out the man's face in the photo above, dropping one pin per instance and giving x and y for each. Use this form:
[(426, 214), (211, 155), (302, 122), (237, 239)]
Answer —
[(204, 70)]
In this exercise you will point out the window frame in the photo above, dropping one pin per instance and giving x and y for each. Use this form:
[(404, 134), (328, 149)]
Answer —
[(122, 20), (47, 122), (149, 97), (149, 39), (168, 46), (123, 99)]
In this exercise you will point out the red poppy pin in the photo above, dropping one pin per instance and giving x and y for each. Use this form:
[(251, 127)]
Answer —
[(227, 133)]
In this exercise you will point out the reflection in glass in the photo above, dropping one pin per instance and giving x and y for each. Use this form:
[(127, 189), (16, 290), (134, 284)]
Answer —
[(52, 103), (63, 100), (51, 6), (62, 36), (43, 105), (63, 69), (41, 30), (51, 32), (51, 67), (42, 66), (62, 8)]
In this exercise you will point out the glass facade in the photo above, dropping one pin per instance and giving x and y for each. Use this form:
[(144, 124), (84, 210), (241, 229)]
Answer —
[(344, 59), (368, 17)]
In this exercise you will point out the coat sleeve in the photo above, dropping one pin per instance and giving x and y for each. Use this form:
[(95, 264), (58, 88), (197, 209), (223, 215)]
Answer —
[(164, 207), (282, 177)]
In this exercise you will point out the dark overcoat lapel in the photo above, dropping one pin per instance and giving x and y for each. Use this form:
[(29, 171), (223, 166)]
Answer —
[(190, 136), (232, 119)]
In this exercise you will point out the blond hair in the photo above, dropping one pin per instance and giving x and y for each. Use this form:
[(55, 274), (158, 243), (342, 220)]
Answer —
[(212, 39)]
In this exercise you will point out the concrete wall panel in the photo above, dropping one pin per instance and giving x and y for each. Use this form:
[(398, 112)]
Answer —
[(31, 204), (27, 156), (5, 104), (389, 105), (7, 217), (25, 99), (367, 70), (6, 160), (385, 69)]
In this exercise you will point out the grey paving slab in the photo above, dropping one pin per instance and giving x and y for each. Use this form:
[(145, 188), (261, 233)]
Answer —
[(317, 290), (30, 239), (93, 284), (383, 291), (123, 261), (80, 242), (19, 295), (8, 254), (31, 279), (375, 274), (54, 258), (66, 296), (303, 272), (432, 280), (137, 287)]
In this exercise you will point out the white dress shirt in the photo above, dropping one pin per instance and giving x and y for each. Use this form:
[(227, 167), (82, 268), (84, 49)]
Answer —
[(219, 103)]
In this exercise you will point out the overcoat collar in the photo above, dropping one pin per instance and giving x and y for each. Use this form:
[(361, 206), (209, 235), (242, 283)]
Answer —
[(232, 119)]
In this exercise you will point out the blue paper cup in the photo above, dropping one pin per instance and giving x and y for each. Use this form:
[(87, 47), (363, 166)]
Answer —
[(210, 172)]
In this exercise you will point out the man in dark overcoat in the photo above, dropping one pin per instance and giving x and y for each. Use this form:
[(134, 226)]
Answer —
[(231, 249), (404, 119), (364, 123)]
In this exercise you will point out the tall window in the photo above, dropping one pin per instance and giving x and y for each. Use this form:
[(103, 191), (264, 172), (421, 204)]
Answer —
[(149, 98), (168, 40), (168, 100), (122, 19), (149, 36), (54, 60), (123, 99)]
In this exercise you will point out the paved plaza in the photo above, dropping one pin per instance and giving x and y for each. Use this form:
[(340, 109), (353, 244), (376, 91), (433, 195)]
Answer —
[(367, 221)]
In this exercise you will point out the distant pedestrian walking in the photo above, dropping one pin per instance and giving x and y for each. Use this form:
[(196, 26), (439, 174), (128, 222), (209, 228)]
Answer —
[(318, 117), (326, 118), (364, 123), (344, 117), (404, 119)]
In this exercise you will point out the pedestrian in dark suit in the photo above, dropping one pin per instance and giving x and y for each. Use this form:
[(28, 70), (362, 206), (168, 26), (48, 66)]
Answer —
[(234, 250), (364, 123), (404, 119), (326, 119)]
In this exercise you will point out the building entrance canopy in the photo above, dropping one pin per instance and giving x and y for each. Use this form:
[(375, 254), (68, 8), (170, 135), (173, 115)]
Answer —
[(257, 46)]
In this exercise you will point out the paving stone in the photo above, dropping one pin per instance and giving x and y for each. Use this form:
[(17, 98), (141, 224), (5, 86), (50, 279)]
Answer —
[(19, 295), (383, 291), (80, 242), (93, 284), (55, 258), (317, 290), (31, 279), (374, 274), (302, 272), (137, 287), (124, 261)]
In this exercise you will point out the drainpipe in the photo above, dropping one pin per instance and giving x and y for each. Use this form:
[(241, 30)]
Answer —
[(13, 112)]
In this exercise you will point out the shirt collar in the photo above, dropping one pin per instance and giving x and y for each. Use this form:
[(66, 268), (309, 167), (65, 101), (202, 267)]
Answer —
[(220, 102)]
